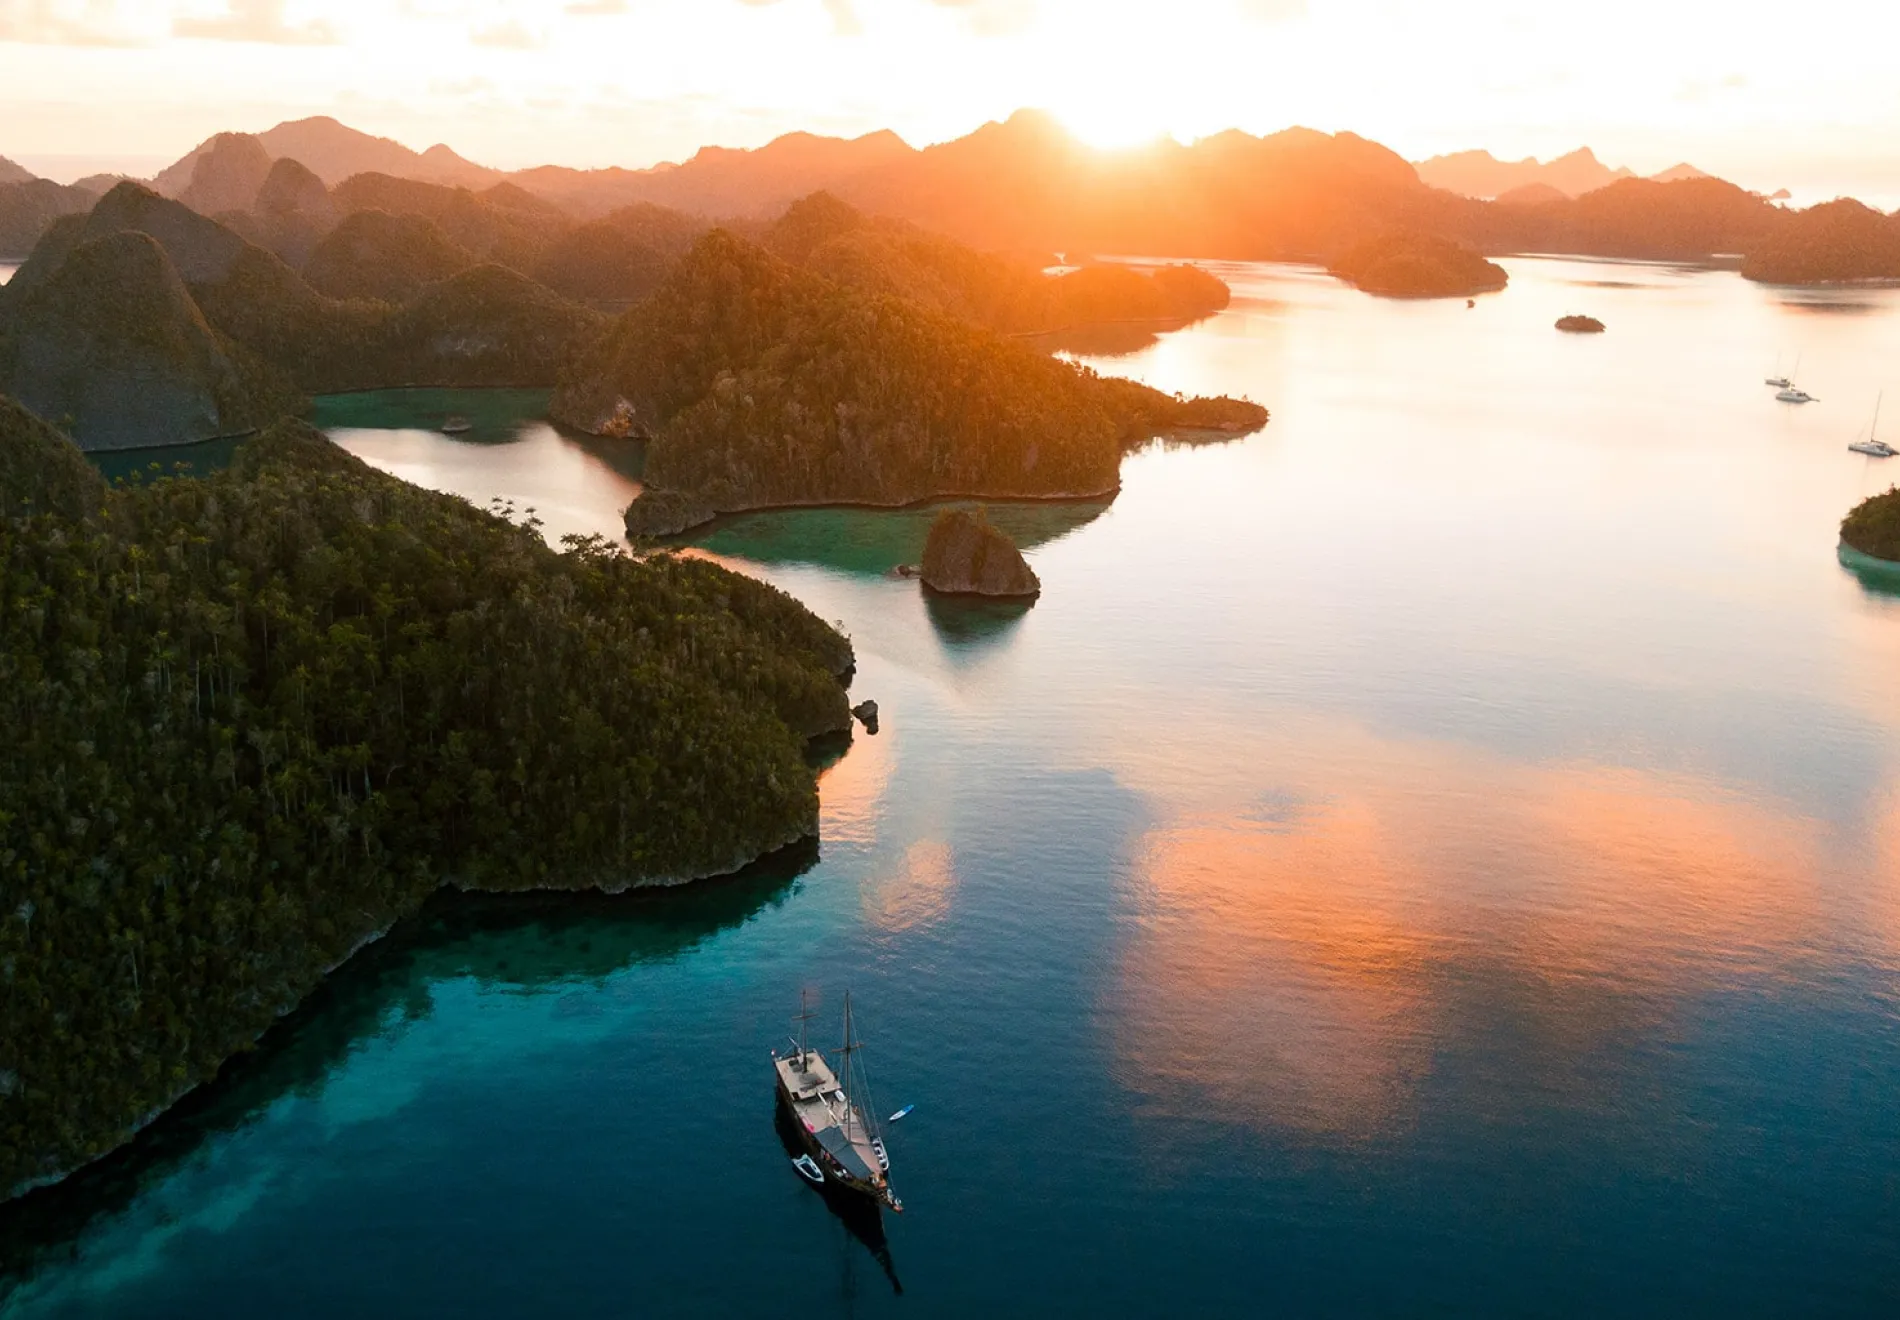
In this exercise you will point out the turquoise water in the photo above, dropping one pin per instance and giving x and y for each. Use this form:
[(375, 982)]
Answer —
[(1439, 855)]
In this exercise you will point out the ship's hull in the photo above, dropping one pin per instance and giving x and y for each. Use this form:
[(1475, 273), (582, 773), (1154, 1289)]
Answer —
[(836, 1179)]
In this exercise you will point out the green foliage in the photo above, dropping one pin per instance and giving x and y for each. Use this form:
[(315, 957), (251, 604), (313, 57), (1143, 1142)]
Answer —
[(41, 471), (110, 345), (482, 326), (769, 385), (1873, 526), (762, 384), (255, 718), (1418, 266), (373, 254)]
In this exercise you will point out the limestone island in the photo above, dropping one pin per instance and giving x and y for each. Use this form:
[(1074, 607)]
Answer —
[(1580, 325), (1418, 266), (763, 385), (966, 555)]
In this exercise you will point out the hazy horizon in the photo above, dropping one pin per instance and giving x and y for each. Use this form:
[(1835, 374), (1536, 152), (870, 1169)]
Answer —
[(95, 85)]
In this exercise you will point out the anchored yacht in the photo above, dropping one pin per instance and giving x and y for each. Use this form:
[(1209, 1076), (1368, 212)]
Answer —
[(844, 1146)]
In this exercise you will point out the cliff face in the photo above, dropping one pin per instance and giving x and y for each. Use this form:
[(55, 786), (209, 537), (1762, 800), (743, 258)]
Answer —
[(111, 348), (966, 556)]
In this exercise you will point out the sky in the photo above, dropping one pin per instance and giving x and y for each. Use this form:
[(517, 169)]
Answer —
[(1768, 94)]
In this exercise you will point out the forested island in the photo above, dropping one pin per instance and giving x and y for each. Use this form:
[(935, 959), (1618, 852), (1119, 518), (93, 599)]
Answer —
[(762, 384), (1418, 266), (1873, 527), (256, 717)]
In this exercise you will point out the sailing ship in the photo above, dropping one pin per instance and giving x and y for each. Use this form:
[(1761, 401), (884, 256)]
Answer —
[(1873, 446), (833, 1116)]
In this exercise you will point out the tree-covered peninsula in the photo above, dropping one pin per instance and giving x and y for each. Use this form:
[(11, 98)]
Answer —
[(763, 384), (254, 718)]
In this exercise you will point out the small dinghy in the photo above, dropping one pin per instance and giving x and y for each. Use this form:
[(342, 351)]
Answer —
[(457, 426), (900, 1113), (809, 1170)]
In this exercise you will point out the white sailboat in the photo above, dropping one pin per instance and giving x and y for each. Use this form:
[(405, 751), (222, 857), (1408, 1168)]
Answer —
[(1873, 446)]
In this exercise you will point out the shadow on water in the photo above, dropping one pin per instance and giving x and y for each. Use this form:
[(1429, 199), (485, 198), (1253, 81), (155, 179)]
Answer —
[(861, 1218), (871, 542), (528, 941), (194, 460), (1877, 577), (494, 415), (970, 625)]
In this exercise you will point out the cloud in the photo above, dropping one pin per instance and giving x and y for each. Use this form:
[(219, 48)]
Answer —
[(844, 15), (259, 21), (993, 18), (509, 35), (66, 23), (596, 8), (1273, 11)]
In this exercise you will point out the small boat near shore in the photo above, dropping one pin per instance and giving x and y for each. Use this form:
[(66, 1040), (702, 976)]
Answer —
[(842, 1145), (457, 426)]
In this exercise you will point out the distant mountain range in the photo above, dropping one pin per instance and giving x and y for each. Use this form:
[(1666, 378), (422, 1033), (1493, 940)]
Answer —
[(1023, 185), (1481, 175)]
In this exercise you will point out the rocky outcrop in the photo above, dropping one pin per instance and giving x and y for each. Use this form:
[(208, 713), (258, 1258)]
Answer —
[(866, 714), (227, 175), (666, 513), (1580, 325), (966, 556), (293, 212), (111, 348)]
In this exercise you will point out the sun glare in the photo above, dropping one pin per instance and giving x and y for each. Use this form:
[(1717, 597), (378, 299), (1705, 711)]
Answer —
[(1111, 126)]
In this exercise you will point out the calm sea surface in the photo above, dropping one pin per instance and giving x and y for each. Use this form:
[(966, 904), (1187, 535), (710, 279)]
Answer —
[(1439, 855)]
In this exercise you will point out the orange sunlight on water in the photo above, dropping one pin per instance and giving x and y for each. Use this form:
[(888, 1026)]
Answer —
[(1300, 964)]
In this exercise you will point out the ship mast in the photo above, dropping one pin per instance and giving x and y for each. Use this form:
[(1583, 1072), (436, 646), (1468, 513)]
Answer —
[(849, 1047), (804, 1016)]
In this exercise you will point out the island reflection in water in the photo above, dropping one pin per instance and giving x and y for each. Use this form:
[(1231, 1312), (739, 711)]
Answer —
[(1440, 854)]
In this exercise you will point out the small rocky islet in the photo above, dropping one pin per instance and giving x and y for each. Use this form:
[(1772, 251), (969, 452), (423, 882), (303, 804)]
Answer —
[(966, 555)]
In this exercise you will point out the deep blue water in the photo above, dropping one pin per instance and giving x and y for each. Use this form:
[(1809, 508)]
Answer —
[(1438, 856)]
